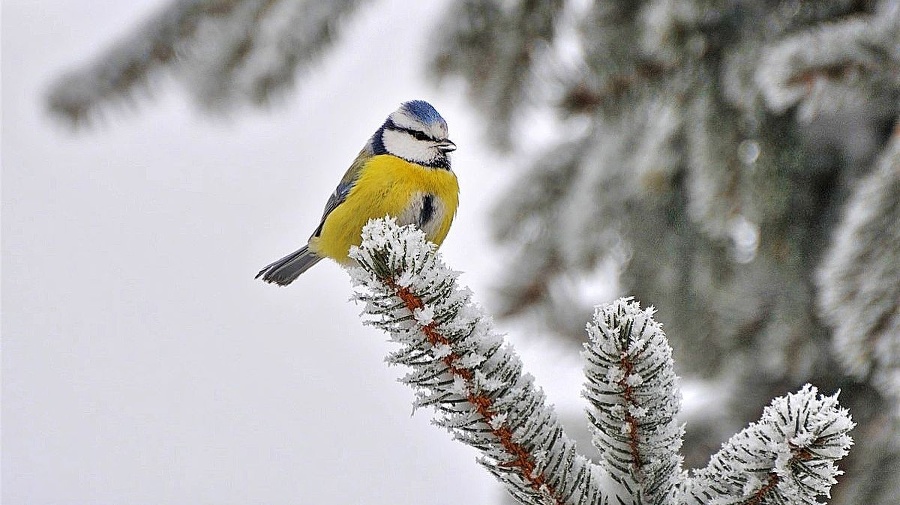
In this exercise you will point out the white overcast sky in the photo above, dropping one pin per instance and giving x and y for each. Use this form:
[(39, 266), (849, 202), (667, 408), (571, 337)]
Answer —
[(142, 363)]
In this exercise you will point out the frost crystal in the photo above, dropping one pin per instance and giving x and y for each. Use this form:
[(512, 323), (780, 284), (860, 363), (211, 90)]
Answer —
[(424, 315)]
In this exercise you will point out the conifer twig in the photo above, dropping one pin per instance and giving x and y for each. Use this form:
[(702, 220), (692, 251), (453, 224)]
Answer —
[(788, 456), (462, 368), (631, 387)]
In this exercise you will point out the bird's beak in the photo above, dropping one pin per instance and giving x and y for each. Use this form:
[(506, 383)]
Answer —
[(446, 146)]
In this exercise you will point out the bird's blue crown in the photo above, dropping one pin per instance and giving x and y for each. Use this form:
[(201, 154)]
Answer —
[(423, 111)]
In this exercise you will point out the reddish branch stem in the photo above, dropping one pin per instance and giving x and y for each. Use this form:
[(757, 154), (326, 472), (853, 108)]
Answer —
[(522, 460), (774, 479), (632, 423), (833, 72), (758, 496)]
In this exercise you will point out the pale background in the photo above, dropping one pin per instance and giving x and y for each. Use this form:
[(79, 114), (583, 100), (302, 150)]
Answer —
[(142, 363)]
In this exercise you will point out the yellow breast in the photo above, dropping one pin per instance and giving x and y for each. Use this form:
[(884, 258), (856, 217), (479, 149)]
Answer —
[(388, 185)]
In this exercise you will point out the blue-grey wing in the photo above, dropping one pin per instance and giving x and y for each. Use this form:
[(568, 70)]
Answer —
[(343, 188)]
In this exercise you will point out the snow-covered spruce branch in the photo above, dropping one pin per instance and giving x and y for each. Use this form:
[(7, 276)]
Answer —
[(859, 278), (788, 456), (226, 52), (461, 367), (631, 387), (128, 65), (846, 63)]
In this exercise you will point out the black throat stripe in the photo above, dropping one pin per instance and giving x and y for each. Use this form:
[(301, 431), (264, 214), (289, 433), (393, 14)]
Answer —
[(427, 211)]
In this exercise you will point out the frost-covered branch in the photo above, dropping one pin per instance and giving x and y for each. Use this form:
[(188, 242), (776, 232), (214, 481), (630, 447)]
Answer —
[(476, 41), (631, 387), (227, 52), (462, 368), (128, 65), (788, 456), (859, 280), (831, 66)]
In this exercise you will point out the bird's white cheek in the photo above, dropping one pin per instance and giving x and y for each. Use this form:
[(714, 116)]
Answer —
[(407, 147)]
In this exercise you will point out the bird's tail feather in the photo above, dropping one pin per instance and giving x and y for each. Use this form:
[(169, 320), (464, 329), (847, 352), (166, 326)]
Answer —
[(285, 270)]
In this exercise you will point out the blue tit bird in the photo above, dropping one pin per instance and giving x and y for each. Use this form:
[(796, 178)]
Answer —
[(403, 171)]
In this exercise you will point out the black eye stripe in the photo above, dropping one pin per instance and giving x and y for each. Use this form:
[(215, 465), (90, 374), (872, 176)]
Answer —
[(415, 133), (420, 135)]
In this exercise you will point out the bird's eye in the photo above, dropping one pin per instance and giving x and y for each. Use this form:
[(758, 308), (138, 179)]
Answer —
[(419, 135)]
